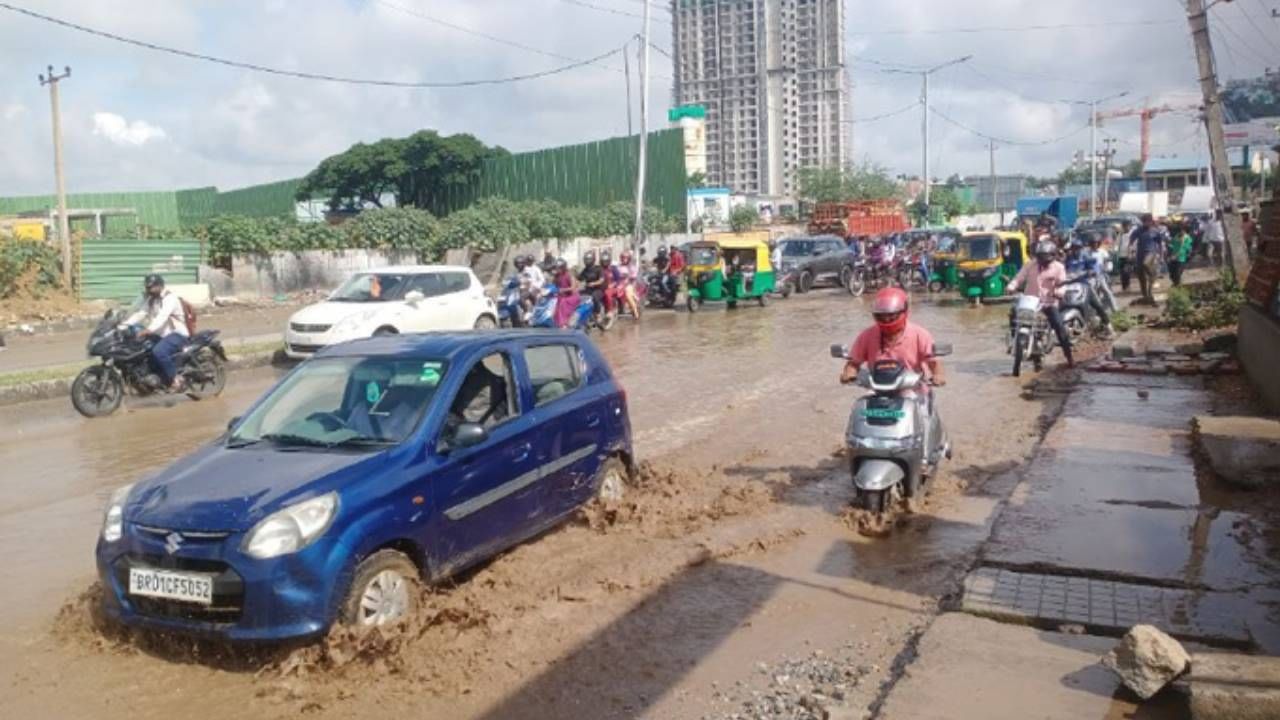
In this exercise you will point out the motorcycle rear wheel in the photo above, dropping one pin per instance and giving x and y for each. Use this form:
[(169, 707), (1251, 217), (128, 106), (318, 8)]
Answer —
[(98, 390), (213, 378)]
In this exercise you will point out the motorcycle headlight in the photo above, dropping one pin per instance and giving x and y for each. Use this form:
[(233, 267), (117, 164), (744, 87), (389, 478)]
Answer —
[(291, 529), (113, 517)]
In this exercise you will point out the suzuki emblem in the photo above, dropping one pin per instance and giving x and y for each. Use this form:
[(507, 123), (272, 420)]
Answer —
[(173, 542)]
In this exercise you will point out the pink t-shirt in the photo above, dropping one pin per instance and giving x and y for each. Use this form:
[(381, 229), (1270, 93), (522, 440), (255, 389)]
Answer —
[(1044, 283), (912, 348)]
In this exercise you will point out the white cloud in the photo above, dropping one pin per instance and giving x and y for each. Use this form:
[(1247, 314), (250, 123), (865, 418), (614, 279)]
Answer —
[(12, 111), (122, 132)]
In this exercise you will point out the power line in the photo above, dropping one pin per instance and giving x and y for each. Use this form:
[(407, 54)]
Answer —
[(611, 11), (1260, 56), (1008, 28), (301, 74), (1049, 78), (1265, 35), (1005, 141), (873, 118)]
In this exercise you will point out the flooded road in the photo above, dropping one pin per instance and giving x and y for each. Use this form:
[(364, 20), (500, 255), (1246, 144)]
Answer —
[(736, 552)]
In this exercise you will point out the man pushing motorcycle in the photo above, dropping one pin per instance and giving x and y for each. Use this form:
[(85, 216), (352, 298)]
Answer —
[(1044, 278)]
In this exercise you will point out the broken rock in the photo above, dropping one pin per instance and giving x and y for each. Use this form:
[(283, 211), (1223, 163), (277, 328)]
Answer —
[(1226, 686), (1146, 660), (1242, 451)]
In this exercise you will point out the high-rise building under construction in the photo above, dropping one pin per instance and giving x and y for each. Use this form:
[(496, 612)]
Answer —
[(772, 78)]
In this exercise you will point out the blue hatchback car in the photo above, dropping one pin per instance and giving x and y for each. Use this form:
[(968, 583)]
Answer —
[(374, 466)]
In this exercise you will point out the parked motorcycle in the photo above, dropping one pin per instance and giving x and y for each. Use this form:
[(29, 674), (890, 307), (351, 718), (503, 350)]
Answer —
[(895, 438), (127, 367)]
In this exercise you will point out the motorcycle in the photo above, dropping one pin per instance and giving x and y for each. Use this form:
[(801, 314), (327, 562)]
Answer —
[(1076, 313), (895, 438), (510, 312), (544, 313), (126, 367), (857, 278), (663, 289), (1030, 337)]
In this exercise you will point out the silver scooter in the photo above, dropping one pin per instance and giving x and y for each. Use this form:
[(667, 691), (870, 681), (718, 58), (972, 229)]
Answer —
[(894, 437)]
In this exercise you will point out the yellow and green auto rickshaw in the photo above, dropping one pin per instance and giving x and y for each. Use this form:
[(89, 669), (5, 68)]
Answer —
[(988, 261), (729, 267)]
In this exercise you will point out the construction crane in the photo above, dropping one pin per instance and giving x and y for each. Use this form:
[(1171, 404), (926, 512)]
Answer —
[(1146, 113)]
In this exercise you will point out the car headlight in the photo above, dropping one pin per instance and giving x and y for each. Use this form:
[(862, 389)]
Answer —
[(113, 518), (291, 529)]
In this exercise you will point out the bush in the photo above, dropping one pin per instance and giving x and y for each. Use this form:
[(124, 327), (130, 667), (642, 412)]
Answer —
[(1179, 308), (743, 218), (1121, 321), (395, 228), (28, 265), (1218, 308), (486, 226)]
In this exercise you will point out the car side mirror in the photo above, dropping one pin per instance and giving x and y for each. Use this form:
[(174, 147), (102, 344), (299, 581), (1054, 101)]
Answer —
[(941, 349), (839, 352), (468, 435), (232, 422), (413, 297)]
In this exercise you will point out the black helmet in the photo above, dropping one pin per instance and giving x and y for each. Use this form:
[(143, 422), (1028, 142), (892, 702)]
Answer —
[(606, 256), (589, 258), (662, 251), (1046, 249), (521, 262), (153, 281), (561, 264)]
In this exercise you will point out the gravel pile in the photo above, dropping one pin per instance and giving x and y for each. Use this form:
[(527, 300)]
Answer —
[(817, 687)]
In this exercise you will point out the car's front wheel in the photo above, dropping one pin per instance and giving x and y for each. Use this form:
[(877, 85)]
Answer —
[(383, 591), (485, 322), (611, 484)]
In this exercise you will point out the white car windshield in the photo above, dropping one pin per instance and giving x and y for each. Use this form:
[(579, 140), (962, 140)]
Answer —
[(344, 402), (373, 287)]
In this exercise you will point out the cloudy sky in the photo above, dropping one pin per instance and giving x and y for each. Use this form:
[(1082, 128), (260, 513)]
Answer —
[(137, 119)]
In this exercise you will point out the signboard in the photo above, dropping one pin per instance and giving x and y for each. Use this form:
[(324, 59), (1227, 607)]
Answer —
[(1251, 111)]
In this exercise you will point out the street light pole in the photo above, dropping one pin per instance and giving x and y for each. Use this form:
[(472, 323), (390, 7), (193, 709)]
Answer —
[(639, 235), (924, 124), (64, 226)]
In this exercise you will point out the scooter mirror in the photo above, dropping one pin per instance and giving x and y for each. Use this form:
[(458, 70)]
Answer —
[(839, 351), (941, 349)]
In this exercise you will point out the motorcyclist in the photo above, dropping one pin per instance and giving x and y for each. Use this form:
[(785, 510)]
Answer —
[(628, 276), (676, 269), (532, 281), (160, 314), (612, 286), (1082, 262), (594, 280), (893, 337), (1044, 278)]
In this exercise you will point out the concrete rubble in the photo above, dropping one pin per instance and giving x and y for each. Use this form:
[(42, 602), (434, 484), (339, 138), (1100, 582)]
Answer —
[(1241, 451), (1147, 660), (1227, 686)]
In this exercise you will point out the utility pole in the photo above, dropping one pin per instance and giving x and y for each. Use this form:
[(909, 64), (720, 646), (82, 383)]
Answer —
[(644, 130), (626, 68), (1107, 155), (64, 227), (995, 190), (924, 124), (1223, 187), (1093, 159)]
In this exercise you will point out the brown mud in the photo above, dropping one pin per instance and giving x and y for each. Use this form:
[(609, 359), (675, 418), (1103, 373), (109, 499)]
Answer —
[(730, 548)]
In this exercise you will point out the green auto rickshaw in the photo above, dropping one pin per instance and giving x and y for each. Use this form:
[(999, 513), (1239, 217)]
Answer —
[(988, 261), (728, 268)]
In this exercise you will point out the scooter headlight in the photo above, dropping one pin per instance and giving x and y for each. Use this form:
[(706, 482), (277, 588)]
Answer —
[(875, 443)]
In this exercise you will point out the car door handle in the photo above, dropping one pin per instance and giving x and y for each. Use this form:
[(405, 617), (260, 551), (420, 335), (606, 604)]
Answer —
[(593, 420), (521, 453)]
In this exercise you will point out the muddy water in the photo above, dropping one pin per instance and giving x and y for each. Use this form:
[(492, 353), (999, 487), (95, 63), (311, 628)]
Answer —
[(740, 554)]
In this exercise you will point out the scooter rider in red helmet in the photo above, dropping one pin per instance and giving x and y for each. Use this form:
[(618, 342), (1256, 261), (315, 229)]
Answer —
[(894, 337)]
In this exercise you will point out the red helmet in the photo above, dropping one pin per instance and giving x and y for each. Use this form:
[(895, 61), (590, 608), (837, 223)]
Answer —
[(890, 310)]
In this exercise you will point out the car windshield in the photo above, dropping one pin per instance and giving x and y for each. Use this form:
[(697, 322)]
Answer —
[(797, 248), (372, 287), (982, 247), (356, 402)]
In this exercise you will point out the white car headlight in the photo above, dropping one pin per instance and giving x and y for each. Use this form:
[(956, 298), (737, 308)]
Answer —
[(113, 518), (291, 529)]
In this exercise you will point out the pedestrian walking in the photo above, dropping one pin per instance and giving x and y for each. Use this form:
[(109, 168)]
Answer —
[(1178, 252), (1149, 242), (1214, 239), (1124, 255), (1249, 229)]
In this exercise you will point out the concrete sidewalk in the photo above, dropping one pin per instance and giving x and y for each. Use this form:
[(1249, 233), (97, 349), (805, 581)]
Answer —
[(1111, 526)]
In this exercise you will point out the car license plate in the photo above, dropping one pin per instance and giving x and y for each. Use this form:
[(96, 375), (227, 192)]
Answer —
[(187, 587)]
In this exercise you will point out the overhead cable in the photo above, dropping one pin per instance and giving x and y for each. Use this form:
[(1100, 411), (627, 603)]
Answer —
[(1006, 141), (301, 74)]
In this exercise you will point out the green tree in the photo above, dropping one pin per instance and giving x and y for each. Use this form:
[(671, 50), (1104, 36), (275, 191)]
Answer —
[(861, 181), (743, 218), (697, 179), (1073, 176), (1133, 168), (421, 170)]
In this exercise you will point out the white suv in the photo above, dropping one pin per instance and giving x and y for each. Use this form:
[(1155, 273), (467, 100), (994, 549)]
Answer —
[(414, 298)]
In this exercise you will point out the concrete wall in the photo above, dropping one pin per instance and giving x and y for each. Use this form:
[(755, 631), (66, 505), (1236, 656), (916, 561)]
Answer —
[(1258, 346), (268, 275)]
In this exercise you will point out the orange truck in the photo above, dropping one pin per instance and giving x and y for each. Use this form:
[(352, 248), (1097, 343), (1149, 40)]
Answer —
[(862, 217)]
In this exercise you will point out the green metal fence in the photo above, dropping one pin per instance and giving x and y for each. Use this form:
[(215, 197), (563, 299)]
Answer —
[(157, 209), (113, 269), (275, 199), (591, 174)]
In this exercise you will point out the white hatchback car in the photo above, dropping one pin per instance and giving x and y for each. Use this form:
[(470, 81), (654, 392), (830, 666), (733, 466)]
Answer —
[(406, 299)]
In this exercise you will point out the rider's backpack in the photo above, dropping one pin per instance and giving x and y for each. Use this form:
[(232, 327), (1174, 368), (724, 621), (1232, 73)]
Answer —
[(188, 316)]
